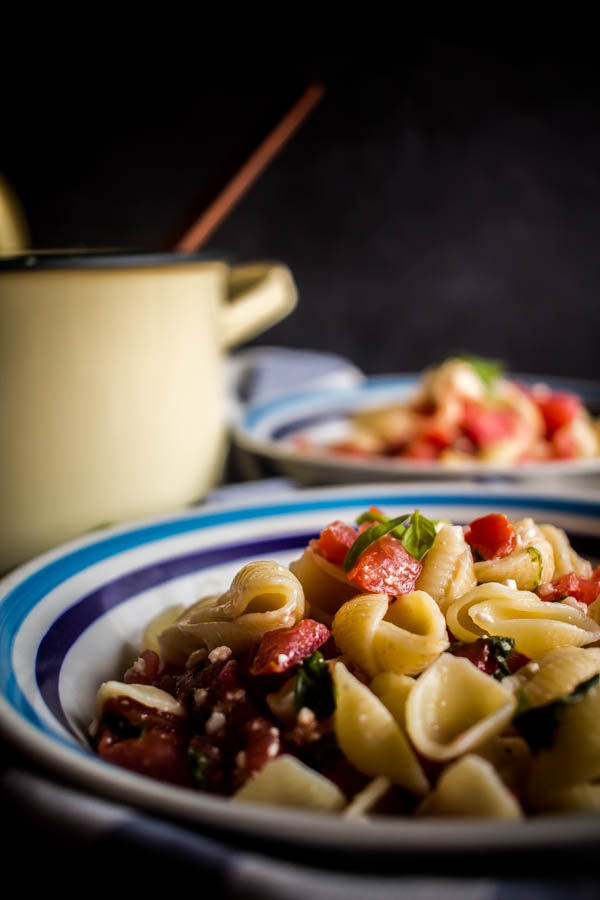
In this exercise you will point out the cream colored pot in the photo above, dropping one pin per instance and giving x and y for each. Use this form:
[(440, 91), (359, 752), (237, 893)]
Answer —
[(111, 386)]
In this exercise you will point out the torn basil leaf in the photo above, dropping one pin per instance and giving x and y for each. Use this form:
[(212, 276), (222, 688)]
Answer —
[(489, 370), (369, 537), (417, 536), (314, 686), (535, 554), (501, 648), (538, 724), (197, 764)]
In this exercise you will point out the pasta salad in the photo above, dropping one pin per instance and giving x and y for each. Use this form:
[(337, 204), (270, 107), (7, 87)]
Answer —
[(465, 410), (399, 666)]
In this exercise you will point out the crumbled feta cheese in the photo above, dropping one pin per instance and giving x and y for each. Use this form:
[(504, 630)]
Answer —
[(215, 723), (219, 654)]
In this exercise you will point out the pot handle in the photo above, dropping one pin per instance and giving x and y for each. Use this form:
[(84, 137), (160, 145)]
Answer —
[(260, 294)]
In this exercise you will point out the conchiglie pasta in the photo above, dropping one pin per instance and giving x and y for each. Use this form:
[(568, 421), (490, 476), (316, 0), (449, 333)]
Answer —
[(404, 636), (566, 560), (325, 585), (264, 595), (529, 564), (574, 757), (458, 614), (370, 737), (157, 625), (579, 798), (556, 673), (471, 787), (286, 781), (448, 567), (393, 690), (535, 625), (454, 708)]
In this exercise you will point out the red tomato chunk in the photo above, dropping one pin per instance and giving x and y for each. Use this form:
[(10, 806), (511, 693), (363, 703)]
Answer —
[(485, 426), (386, 567), (335, 541), (491, 536), (283, 648), (558, 408), (480, 654), (585, 590), (157, 746)]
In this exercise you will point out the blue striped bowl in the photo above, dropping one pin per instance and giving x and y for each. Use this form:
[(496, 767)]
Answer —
[(72, 619)]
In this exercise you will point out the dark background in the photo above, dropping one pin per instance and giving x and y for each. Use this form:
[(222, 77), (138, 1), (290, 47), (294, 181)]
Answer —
[(447, 198)]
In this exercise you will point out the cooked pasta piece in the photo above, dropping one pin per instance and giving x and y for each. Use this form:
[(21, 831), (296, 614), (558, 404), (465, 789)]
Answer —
[(594, 610), (579, 798), (370, 737), (264, 595), (286, 781), (471, 787), (555, 673), (146, 694), (511, 757), (573, 757), (535, 625), (458, 614), (454, 708), (404, 636), (157, 625), (325, 585), (366, 801), (528, 565), (566, 560), (393, 689), (448, 567)]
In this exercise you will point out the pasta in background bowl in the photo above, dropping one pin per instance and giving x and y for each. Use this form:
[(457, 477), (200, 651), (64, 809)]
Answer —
[(227, 577), (463, 418)]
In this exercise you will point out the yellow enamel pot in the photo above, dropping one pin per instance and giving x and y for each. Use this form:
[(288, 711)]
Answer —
[(112, 388)]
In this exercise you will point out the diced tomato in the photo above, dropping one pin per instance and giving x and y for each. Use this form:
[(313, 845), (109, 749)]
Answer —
[(564, 445), (484, 425), (281, 649), (422, 448), (440, 434), (558, 408), (585, 590), (492, 536), (516, 661), (263, 744), (479, 652), (386, 568), (335, 541)]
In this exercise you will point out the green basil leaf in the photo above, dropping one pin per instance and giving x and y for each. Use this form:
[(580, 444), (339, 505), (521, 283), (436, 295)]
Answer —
[(538, 724), (536, 556), (314, 686), (197, 764), (418, 537), (501, 648), (489, 370), (369, 536)]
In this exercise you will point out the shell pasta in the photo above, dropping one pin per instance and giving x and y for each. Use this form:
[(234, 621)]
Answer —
[(397, 666)]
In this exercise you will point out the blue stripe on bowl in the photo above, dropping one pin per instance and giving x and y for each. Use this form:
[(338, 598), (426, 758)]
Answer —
[(23, 597)]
